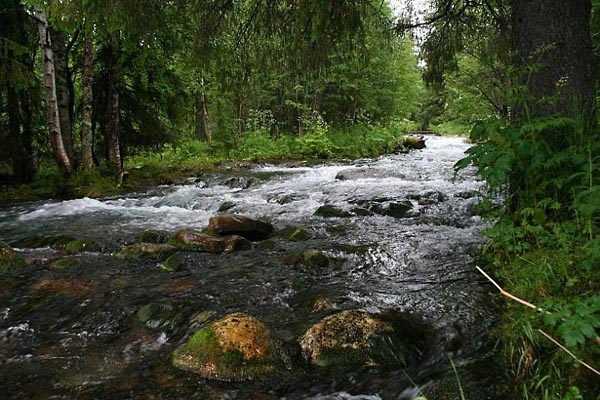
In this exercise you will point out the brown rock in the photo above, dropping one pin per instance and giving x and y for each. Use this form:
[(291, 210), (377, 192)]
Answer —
[(232, 224), (191, 239)]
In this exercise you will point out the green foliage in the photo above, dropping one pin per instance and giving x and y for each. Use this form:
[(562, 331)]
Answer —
[(545, 245)]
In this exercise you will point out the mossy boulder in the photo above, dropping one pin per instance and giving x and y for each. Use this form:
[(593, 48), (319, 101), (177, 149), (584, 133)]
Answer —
[(240, 225), (237, 347), (352, 339), (191, 239), (81, 245), (329, 211), (146, 251), (9, 258)]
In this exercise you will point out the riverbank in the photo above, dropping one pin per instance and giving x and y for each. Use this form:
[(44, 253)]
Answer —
[(174, 163)]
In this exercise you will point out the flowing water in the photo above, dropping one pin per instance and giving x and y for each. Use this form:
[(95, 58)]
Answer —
[(75, 332)]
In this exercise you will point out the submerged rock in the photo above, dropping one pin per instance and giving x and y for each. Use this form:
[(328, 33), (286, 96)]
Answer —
[(172, 264), (237, 347), (296, 234), (351, 338), (191, 239), (63, 263), (329, 211), (146, 251), (397, 209), (153, 237), (9, 258), (241, 225), (227, 205), (313, 259), (73, 288), (79, 245), (56, 242)]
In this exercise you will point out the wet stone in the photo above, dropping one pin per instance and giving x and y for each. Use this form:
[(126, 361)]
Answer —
[(63, 263), (172, 264), (146, 251), (329, 211), (414, 142), (350, 339), (153, 237), (296, 234), (81, 245), (312, 259), (228, 205), (193, 240), (241, 225)]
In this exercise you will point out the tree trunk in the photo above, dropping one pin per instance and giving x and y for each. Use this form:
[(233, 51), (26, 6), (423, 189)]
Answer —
[(86, 115), (112, 132), (63, 94), (200, 131), (60, 154), (206, 121), (554, 35)]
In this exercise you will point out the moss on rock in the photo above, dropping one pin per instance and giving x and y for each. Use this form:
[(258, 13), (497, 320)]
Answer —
[(172, 264), (351, 338), (79, 245), (10, 259), (237, 347), (146, 251)]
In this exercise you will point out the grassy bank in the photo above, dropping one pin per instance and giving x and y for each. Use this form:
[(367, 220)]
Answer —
[(544, 248), (189, 158)]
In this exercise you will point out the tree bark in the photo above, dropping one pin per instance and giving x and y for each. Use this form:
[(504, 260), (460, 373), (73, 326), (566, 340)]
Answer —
[(554, 35), (58, 148), (86, 115)]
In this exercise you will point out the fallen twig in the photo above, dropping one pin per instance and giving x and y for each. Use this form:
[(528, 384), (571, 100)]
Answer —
[(510, 296), (534, 307), (569, 352)]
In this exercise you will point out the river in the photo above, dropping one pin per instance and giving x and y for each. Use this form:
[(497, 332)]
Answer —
[(75, 331)]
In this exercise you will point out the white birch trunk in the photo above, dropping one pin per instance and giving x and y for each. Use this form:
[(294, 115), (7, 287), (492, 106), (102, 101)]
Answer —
[(50, 91)]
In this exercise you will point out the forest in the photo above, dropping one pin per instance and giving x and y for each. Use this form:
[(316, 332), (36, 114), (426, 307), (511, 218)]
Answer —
[(104, 98)]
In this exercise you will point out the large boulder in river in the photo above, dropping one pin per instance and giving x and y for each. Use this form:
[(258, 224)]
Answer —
[(241, 225), (352, 339), (9, 258), (191, 239), (414, 142), (237, 347)]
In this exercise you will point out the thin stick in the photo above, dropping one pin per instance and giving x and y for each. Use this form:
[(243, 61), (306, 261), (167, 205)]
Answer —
[(510, 296), (533, 306), (569, 352)]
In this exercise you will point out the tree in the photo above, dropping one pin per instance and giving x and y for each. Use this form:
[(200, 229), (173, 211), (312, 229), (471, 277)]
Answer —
[(549, 43), (56, 139), (553, 37), (18, 91)]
